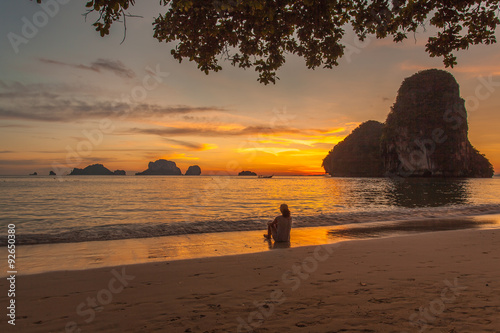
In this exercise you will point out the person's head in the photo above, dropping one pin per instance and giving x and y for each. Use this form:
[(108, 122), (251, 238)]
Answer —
[(284, 210)]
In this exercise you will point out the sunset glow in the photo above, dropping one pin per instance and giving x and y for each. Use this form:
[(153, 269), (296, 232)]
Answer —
[(69, 98)]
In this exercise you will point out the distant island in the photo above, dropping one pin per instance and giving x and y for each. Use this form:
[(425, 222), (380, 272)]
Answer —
[(96, 170), (34, 174), (424, 135), (159, 167), (163, 167), (193, 170), (247, 173), (52, 173)]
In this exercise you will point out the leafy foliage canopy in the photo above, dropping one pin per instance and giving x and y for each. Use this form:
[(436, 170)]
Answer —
[(259, 33)]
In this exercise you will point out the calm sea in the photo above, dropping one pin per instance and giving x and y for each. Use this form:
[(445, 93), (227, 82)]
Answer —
[(84, 208)]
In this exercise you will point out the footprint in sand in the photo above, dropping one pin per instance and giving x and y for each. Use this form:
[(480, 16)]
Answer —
[(306, 323), (379, 300)]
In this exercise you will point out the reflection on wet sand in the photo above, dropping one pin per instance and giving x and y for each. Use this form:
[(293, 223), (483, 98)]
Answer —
[(377, 230), (278, 245), (85, 255)]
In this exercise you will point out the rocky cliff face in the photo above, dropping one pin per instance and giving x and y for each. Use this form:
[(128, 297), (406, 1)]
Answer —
[(193, 170), (426, 132), (359, 154), (161, 167), (425, 135)]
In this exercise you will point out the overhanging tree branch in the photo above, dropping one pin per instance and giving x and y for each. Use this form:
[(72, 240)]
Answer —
[(259, 33)]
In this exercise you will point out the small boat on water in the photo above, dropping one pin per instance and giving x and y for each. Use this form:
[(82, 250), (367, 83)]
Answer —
[(262, 176)]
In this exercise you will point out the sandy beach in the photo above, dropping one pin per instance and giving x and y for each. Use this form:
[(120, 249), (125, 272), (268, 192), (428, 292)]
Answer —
[(434, 282), (153, 152)]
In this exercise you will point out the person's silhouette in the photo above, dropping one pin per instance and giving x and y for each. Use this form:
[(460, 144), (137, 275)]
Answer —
[(279, 228)]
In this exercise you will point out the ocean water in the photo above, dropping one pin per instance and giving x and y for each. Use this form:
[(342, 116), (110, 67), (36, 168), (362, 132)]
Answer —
[(89, 208)]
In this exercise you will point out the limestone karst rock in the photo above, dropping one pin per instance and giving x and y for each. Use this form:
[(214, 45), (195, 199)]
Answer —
[(247, 173), (91, 170), (426, 132), (161, 167), (193, 170), (358, 155), (425, 135)]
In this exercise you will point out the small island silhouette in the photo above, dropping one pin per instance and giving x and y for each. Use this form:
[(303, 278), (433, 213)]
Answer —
[(159, 167), (247, 173), (163, 167), (96, 170), (193, 170)]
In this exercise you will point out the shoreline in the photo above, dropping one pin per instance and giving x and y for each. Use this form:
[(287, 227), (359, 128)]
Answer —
[(44, 258), (375, 284), (138, 230)]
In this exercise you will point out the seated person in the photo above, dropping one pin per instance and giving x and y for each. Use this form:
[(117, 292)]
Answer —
[(279, 228)]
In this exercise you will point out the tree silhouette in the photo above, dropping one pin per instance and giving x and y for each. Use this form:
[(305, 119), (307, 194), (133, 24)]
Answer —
[(259, 33)]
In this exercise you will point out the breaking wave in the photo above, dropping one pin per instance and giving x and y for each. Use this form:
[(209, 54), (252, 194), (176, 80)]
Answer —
[(145, 230)]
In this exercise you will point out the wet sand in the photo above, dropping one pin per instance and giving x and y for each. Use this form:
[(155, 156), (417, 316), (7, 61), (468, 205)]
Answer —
[(430, 282), (43, 258)]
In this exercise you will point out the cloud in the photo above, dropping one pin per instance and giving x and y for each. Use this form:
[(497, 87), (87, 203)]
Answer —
[(339, 130), (68, 110), (16, 126), (179, 156), (214, 131), (100, 65), (20, 162), (190, 145), (323, 145), (54, 104), (264, 138), (268, 150)]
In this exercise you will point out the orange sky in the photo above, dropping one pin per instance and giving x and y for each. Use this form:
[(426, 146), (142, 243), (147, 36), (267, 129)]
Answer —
[(69, 98)]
